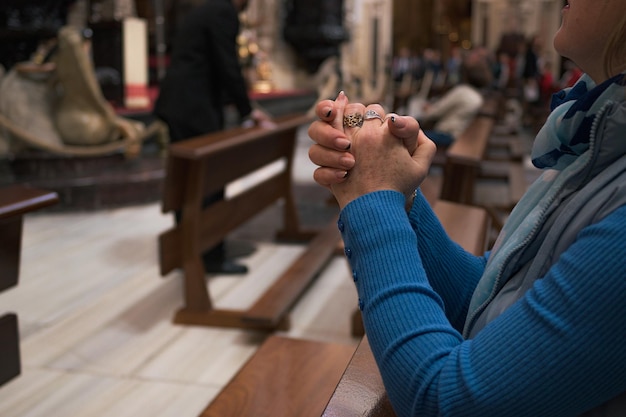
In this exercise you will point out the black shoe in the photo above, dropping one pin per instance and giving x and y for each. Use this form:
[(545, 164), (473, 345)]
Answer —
[(225, 267)]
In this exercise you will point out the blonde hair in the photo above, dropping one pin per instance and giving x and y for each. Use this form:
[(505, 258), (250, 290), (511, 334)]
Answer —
[(615, 50)]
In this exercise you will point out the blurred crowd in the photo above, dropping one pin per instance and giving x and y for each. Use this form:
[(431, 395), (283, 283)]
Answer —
[(518, 69)]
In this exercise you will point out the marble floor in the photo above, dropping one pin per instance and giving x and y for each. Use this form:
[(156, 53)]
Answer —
[(95, 316)]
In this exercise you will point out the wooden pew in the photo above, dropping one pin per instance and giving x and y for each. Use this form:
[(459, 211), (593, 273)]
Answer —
[(201, 166), (463, 161), (286, 377), (15, 201), (360, 392)]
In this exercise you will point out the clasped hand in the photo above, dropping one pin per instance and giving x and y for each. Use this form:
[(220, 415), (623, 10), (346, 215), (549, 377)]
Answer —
[(371, 153)]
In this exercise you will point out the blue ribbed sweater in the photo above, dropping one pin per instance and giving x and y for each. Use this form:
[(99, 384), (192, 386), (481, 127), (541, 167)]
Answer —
[(558, 351)]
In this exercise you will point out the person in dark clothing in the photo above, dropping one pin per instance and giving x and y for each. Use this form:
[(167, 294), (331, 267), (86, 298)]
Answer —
[(204, 74)]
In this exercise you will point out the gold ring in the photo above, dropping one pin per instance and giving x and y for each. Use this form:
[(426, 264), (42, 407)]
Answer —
[(353, 120), (371, 114)]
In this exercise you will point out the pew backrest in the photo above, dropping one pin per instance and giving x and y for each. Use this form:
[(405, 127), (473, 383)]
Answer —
[(204, 165)]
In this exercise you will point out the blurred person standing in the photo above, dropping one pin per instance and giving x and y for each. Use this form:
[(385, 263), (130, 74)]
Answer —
[(203, 76)]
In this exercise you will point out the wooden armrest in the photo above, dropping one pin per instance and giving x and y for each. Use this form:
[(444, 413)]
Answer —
[(202, 146), (360, 391), (19, 199), (285, 377)]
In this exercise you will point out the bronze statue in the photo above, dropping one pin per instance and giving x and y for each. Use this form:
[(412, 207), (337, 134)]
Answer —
[(58, 107)]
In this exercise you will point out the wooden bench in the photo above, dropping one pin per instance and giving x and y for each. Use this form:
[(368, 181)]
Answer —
[(467, 162), (360, 392), (285, 377), (201, 166), (506, 148), (463, 161), (15, 201)]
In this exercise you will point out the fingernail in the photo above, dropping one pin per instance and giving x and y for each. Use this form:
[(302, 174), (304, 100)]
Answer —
[(342, 174), (346, 161), (343, 143)]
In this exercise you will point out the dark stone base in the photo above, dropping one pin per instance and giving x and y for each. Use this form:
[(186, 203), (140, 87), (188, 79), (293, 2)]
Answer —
[(92, 183)]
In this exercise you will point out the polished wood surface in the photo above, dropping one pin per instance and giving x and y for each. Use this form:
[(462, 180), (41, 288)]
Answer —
[(470, 146), (466, 225), (464, 157), (360, 392), (279, 299), (17, 199), (286, 377)]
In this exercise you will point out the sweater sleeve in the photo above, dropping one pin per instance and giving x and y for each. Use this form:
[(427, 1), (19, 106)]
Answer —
[(442, 258), (558, 351)]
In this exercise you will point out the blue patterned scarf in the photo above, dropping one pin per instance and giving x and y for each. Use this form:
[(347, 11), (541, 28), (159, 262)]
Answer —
[(566, 133), (563, 148)]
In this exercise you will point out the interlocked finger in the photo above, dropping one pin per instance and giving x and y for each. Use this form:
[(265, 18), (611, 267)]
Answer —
[(373, 112), (353, 115), (353, 120)]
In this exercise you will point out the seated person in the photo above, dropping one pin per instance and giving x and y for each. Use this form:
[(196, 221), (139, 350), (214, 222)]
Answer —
[(454, 111), (532, 327)]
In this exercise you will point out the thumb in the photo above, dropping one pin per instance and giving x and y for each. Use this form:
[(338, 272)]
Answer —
[(405, 128), (340, 104), (425, 150)]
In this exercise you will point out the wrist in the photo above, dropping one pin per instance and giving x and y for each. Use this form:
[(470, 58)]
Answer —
[(409, 201)]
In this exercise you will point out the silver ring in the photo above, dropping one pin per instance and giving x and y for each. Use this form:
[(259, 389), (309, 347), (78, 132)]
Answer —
[(371, 114)]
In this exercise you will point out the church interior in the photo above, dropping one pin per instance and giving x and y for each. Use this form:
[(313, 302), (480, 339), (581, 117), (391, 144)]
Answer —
[(104, 310)]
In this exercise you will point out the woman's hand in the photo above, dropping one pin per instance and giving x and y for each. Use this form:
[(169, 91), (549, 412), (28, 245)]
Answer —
[(389, 152), (331, 152)]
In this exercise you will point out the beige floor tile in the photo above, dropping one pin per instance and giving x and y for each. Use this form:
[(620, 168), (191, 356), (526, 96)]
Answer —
[(46, 393), (203, 355)]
